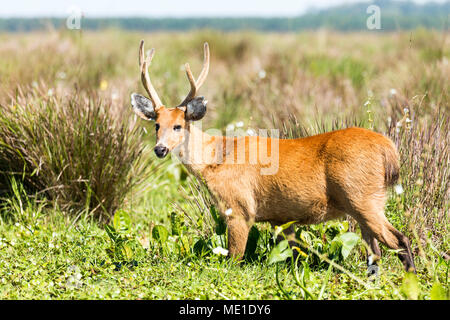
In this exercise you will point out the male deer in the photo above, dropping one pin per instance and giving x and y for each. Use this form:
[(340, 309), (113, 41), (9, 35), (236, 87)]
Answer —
[(319, 178)]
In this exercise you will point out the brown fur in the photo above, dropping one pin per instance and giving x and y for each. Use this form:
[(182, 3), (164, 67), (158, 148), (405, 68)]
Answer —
[(320, 178)]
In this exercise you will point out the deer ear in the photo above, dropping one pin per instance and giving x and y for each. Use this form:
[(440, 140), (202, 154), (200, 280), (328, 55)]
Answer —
[(196, 109), (143, 107)]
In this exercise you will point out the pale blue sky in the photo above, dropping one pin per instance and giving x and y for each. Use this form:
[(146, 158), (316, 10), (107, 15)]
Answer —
[(166, 8)]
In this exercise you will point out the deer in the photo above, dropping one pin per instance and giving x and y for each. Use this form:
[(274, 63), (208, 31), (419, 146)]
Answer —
[(318, 178)]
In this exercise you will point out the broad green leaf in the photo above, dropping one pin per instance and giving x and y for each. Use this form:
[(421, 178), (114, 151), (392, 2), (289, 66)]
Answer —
[(410, 286), (306, 237), (349, 241), (438, 292), (280, 252), (126, 251), (122, 222), (160, 234)]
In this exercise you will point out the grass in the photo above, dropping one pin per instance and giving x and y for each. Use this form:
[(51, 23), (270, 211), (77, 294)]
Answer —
[(71, 152), (141, 228), (49, 258)]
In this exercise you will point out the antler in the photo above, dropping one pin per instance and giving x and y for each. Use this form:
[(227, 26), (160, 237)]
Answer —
[(144, 63), (195, 85)]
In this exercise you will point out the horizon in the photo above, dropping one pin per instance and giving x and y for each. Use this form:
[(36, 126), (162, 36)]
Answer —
[(175, 8)]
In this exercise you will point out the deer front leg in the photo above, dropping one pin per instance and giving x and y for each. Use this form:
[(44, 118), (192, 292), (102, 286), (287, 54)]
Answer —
[(238, 229)]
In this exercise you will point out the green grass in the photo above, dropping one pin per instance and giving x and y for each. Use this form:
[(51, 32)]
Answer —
[(45, 256), (159, 245)]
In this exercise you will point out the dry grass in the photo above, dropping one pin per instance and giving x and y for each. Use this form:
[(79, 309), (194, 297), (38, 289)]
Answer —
[(322, 80), (72, 151)]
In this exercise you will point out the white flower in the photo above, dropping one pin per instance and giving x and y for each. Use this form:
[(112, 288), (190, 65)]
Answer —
[(251, 132), (50, 92), (54, 235), (262, 74), (51, 245), (392, 92), (114, 96), (228, 212), (230, 127), (220, 251), (239, 124), (398, 189)]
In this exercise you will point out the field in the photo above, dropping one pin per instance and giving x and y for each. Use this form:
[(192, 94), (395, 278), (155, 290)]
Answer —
[(87, 211)]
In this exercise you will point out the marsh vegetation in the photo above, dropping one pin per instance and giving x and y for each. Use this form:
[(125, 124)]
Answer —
[(88, 211)]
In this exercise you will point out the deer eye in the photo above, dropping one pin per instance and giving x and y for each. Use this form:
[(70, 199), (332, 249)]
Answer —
[(157, 126), (177, 128)]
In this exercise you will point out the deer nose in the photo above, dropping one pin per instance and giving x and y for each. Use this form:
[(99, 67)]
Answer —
[(161, 151)]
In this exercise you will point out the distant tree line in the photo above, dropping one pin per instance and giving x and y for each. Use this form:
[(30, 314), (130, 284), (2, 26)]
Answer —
[(395, 15)]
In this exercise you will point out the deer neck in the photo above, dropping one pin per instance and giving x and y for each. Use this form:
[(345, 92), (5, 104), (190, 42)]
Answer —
[(199, 150)]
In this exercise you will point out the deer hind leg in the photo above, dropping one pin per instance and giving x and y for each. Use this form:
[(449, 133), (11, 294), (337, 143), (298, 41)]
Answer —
[(374, 252), (374, 222)]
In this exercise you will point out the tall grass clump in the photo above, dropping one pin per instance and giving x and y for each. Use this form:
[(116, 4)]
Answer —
[(425, 176), (71, 151)]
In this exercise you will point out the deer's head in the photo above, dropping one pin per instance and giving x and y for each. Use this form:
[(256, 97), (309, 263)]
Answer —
[(170, 122)]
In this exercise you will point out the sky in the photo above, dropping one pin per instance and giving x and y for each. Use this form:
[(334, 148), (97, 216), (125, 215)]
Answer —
[(167, 8)]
